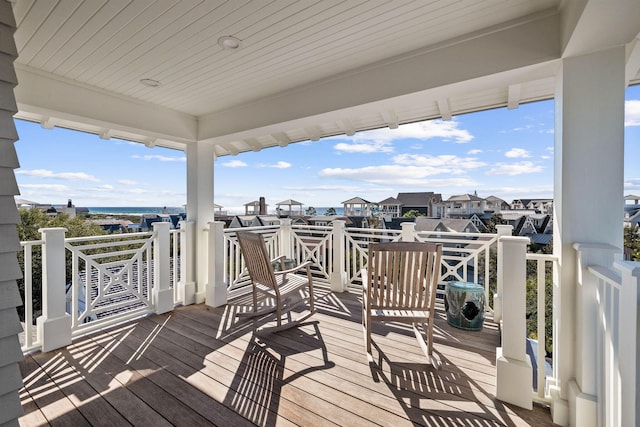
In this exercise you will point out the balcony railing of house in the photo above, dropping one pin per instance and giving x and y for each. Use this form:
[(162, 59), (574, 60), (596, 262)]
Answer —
[(114, 278)]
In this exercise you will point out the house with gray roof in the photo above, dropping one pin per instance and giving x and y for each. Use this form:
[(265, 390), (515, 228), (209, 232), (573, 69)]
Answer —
[(426, 202)]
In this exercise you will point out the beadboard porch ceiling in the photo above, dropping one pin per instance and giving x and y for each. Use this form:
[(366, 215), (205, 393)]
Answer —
[(304, 70)]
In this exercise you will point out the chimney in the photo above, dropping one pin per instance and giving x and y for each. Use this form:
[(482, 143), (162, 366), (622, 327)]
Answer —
[(263, 206)]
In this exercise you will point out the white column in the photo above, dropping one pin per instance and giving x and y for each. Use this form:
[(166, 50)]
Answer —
[(629, 323), (514, 374), (503, 230), (339, 273), (588, 185), (54, 326), (216, 288), (408, 233), (162, 293), (200, 158), (187, 284)]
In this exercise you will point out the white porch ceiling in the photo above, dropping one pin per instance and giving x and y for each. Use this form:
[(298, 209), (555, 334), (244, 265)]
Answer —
[(306, 69)]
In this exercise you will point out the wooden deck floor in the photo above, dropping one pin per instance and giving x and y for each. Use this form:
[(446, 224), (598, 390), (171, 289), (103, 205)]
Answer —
[(198, 366)]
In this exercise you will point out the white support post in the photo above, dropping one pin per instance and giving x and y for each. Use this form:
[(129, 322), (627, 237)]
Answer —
[(514, 373), (200, 161), (408, 233), (54, 326), (187, 284), (588, 160), (216, 289), (583, 390), (629, 324), (286, 238), (162, 293), (502, 230), (339, 273)]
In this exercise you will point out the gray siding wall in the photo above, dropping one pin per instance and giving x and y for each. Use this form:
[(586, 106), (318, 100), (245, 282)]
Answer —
[(10, 353)]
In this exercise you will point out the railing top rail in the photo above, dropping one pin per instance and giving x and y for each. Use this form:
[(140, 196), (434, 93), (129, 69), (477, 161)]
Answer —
[(108, 237), (606, 274), (31, 242), (545, 257)]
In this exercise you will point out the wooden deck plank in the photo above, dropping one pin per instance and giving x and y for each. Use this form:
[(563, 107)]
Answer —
[(201, 366), (359, 357)]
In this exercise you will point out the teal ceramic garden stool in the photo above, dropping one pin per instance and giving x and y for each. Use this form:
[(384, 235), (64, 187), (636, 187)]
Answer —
[(464, 303)]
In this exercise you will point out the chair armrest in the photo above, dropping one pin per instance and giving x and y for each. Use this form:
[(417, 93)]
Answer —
[(305, 264)]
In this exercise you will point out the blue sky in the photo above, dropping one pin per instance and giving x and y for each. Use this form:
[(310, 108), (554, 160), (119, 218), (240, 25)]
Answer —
[(505, 153)]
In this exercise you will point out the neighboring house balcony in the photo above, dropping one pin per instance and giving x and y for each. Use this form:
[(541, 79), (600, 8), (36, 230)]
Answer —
[(124, 328)]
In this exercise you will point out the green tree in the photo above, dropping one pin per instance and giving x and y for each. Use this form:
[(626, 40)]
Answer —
[(311, 211), (32, 220), (492, 222), (632, 242), (331, 211), (412, 214)]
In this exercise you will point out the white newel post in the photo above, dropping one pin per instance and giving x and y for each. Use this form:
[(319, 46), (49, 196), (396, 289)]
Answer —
[(502, 230), (586, 304), (216, 289), (187, 284), (408, 233), (513, 367), (339, 273), (162, 293), (629, 323), (286, 238), (54, 326)]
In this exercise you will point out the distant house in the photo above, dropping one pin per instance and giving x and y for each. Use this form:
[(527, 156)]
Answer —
[(357, 207), (426, 203), (495, 204), (240, 221), (541, 205), (464, 205), (287, 208), (257, 207), (445, 225), (390, 208)]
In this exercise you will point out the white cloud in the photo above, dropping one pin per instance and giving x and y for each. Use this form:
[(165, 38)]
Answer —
[(280, 165), (67, 176), (517, 153), (514, 168), (48, 187), (632, 113), (380, 140), (234, 164), (364, 147), (474, 151), (127, 182), (160, 158), (407, 169)]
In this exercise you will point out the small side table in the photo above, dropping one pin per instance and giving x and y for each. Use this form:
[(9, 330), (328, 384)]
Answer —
[(464, 303)]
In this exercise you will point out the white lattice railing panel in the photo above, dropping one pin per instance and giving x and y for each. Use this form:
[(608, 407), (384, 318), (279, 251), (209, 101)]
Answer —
[(314, 244), (235, 274), (110, 276)]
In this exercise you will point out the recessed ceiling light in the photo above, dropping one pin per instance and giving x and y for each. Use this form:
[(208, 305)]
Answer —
[(229, 42), (150, 82)]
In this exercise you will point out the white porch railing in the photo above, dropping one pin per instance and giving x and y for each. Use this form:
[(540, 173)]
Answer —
[(92, 282), (607, 337), (121, 270)]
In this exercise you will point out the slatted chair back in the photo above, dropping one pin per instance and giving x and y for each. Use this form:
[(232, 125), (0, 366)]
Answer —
[(403, 275), (256, 259)]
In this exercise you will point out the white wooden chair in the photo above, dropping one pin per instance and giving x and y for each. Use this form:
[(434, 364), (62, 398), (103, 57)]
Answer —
[(399, 284), (287, 289)]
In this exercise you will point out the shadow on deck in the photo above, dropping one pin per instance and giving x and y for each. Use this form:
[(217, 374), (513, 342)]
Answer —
[(200, 366)]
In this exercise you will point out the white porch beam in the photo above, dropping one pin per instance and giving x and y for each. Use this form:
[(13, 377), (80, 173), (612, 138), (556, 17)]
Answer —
[(633, 61), (514, 96), (391, 119), (589, 160), (444, 108), (473, 57), (43, 99)]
